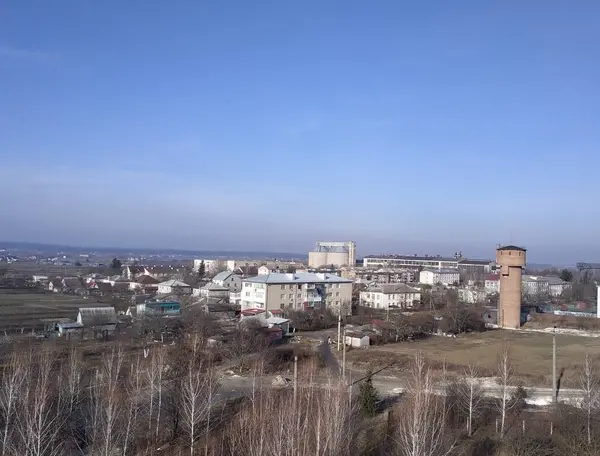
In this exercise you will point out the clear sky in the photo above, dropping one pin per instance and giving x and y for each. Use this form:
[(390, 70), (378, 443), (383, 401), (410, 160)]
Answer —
[(408, 126)]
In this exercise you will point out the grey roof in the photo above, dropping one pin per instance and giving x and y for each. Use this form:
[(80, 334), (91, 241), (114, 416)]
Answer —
[(224, 275), (92, 316), (173, 283), (442, 270), (393, 288), (69, 325), (512, 247), (475, 262), (214, 287), (298, 277)]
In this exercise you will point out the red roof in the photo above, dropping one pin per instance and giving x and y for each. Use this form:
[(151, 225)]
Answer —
[(493, 277), (252, 312)]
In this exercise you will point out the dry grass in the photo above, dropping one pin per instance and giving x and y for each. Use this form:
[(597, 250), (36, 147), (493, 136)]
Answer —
[(531, 354)]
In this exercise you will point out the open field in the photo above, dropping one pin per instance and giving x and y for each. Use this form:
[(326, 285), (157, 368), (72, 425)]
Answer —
[(531, 355), (24, 309)]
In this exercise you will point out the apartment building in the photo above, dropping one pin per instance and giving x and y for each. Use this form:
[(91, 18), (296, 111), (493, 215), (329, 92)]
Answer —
[(296, 291), (534, 285), (492, 284), (435, 276), (390, 295)]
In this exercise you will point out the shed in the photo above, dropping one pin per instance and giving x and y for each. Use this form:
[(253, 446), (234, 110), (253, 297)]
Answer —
[(98, 320), (67, 329), (281, 323), (356, 339)]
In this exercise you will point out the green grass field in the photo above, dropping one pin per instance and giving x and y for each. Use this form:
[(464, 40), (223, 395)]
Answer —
[(531, 354)]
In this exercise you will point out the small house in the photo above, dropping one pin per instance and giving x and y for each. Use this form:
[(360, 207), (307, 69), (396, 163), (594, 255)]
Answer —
[(357, 340), (174, 287), (158, 308), (98, 321), (70, 329)]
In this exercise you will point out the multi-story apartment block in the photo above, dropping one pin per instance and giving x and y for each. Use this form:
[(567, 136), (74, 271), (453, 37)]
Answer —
[(387, 275), (435, 276), (297, 291), (390, 295)]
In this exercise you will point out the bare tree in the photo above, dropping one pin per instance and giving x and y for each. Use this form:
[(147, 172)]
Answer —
[(197, 393), (505, 375), (107, 403), (71, 373), (134, 391), (40, 419), (421, 431), (588, 380), (470, 395), (12, 381)]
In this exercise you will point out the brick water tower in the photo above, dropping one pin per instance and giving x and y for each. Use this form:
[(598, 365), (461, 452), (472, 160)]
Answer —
[(511, 260)]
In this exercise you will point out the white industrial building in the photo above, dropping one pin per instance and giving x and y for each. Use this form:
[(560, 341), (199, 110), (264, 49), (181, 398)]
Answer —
[(436, 276), (409, 261), (337, 254), (296, 291), (390, 295)]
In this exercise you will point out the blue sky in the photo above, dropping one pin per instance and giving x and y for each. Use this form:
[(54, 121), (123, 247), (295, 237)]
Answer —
[(409, 127)]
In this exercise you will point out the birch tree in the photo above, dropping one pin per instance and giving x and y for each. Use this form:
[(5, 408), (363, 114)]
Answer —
[(12, 382), (588, 380), (421, 428), (40, 419), (505, 376), (470, 395), (197, 392)]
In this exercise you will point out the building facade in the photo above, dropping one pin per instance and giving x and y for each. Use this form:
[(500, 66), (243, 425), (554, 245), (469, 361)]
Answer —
[(390, 295), (436, 276), (332, 253), (299, 291)]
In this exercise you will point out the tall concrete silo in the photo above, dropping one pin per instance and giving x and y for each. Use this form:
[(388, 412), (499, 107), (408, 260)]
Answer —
[(511, 260)]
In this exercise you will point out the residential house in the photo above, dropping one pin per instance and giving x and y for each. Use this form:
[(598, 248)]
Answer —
[(296, 291), (165, 272), (229, 280), (232, 265), (211, 290), (145, 282), (40, 278), (472, 295), (439, 276), (390, 295), (211, 267), (158, 308), (174, 287), (131, 272), (69, 329), (246, 271), (492, 284), (98, 321)]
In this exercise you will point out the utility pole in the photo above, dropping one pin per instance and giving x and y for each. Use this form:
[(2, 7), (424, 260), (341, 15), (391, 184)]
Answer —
[(344, 358), (339, 329), (554, 392), (295, 382)]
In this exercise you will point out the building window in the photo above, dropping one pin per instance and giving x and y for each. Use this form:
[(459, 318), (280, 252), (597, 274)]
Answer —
[(282, 296), (291, 296), (283, 287), (337, 293)]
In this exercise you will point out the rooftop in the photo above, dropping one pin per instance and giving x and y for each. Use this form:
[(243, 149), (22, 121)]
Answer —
[(173, 283), (412, 257), (441, 271), (393, 288), (299, 277), (512, 247), (224, 275)]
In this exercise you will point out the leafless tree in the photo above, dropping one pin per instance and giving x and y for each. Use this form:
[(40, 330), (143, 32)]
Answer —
[(588, 380), (470, 395), (107, 403), (505, 376), (197, 393), (40, 419), (10, 391), (135, 386), (421, 430), (71, 373)]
